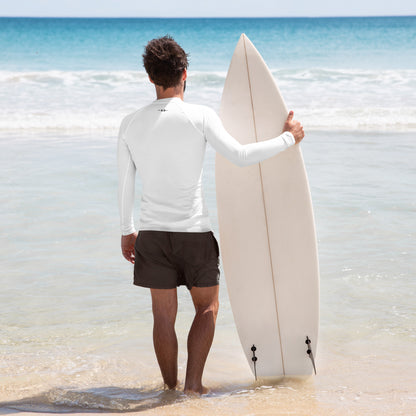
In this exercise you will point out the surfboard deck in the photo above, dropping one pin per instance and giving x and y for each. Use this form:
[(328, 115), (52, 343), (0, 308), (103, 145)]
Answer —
[(266, 224)]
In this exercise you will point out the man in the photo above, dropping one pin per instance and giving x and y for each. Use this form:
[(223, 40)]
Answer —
[(165, 142)]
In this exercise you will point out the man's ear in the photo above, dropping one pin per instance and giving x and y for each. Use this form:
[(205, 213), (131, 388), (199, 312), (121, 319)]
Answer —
[(150, 79), (184, 75)]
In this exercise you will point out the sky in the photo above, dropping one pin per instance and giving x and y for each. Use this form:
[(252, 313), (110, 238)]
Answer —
[(212, 8)]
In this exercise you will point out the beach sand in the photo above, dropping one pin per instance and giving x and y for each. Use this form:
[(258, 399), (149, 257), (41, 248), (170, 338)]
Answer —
[(366, 381)]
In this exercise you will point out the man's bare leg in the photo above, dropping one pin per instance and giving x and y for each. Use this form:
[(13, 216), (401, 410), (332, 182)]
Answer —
[(165, 306), (201, 335)]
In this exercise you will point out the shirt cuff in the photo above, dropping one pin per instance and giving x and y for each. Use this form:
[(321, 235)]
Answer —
[(128, 231), (288, 138)]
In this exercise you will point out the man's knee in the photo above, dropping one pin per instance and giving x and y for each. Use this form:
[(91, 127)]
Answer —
[(208, 309)]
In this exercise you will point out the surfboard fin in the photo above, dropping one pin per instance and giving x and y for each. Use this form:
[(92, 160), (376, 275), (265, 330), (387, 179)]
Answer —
[(254, 359), (310, 353)]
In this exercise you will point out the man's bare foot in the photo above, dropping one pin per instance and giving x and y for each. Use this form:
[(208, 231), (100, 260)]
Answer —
[(197, 392)]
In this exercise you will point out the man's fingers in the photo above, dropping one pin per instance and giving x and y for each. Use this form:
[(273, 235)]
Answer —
[(129, 255), (127, 246), (294, 127)]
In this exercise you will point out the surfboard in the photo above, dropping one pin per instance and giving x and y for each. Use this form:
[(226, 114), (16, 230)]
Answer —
[(266, 228)]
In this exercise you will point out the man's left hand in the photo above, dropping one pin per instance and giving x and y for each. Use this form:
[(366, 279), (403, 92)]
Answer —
[(127, 246)]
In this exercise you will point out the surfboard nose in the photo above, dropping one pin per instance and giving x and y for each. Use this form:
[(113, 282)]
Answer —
[(242, 40)]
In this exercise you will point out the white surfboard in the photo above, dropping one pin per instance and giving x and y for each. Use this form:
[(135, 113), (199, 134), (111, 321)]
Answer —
[(267, 231)]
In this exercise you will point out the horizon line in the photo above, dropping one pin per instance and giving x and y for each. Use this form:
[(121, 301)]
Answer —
[(208, 17)]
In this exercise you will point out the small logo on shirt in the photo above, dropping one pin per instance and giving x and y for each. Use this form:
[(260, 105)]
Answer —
[(162, 110)]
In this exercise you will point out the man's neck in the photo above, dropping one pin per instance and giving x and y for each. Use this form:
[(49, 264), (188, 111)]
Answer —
[(169, 92)]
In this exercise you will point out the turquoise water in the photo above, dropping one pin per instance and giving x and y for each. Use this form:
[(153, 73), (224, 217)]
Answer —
[(116, 44), (75, 333)]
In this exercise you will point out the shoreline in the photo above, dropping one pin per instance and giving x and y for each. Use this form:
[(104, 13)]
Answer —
[(359, 384)]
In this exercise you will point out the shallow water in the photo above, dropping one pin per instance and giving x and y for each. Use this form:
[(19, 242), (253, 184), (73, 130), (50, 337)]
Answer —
[(76, 334)]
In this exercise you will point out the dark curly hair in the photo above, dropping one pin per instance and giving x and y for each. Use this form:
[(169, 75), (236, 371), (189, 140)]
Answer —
[(164, 61)]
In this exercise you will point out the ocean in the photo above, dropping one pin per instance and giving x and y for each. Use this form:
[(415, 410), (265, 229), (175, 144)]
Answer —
[(76, 334)]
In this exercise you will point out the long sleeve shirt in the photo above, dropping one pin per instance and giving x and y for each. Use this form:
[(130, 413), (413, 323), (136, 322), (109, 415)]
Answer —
[(165, 143)]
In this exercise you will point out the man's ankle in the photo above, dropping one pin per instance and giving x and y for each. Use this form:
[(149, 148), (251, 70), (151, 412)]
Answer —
[(171, 386)]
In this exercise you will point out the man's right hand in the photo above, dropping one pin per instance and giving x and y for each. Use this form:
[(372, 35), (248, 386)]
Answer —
[(294, 127), (127, 246)]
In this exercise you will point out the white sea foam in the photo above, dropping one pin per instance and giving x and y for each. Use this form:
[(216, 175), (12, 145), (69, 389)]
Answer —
[(325, 99)]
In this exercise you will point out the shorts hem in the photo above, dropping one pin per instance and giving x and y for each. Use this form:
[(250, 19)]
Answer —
[(147, 286), (209, 285)]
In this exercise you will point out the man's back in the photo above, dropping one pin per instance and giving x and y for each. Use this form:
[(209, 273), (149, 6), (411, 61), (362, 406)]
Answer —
[(167, 145)]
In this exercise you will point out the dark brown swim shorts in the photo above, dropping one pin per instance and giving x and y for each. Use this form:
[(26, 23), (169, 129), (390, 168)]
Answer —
[(167, 259)]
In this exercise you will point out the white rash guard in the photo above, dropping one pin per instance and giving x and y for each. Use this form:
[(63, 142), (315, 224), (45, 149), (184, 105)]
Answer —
[(166, 141)]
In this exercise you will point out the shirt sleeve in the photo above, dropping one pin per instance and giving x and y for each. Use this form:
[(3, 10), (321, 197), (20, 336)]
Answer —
[(239, 154), (126, 183)]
